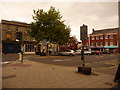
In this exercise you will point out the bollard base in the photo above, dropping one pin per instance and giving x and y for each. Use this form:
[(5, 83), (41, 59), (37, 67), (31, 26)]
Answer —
[(85, 70)]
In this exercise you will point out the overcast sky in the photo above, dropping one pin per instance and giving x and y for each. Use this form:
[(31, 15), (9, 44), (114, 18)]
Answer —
[(97, 15)]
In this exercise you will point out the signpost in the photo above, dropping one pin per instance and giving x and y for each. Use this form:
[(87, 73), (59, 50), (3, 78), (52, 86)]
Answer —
[(83, 37)]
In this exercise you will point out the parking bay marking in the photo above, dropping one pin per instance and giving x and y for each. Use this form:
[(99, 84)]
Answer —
[(59, 60)]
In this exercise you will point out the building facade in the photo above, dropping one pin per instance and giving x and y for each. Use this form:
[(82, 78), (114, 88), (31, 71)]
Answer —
[(9, 31), (104, 40), (73, 45)]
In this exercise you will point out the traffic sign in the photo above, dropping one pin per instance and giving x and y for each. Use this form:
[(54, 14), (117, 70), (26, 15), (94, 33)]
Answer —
[(83, 32)]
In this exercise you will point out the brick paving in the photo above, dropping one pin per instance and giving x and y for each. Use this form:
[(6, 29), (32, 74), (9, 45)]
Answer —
[(39, 75)]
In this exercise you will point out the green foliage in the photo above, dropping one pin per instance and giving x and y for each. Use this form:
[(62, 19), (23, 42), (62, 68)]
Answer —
[(48, 25)]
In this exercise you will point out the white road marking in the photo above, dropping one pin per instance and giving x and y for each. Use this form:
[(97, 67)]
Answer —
[(58, 60)]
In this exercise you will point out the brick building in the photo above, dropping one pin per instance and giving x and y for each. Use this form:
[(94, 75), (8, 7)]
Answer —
[(73, 45), (9, 29), (104, 40)]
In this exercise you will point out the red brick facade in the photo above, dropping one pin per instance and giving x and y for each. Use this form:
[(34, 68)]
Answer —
[(104, 40), (73, 45)]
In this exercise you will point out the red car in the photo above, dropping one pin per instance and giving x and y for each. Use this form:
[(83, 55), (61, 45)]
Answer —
[(98, 52)]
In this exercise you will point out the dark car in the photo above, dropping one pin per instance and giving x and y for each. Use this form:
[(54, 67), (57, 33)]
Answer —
[(106, 52)]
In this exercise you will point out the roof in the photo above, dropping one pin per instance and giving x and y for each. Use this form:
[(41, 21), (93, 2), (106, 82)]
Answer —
[(103, 31), (14, 23)]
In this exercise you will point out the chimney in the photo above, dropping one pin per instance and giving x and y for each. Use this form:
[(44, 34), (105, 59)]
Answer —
[(93, 30)]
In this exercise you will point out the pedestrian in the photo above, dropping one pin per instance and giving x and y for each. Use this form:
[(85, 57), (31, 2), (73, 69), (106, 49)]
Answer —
[(50, 52)]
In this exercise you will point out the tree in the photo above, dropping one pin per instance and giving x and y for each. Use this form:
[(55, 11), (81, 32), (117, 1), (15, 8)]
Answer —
[(48, 25)]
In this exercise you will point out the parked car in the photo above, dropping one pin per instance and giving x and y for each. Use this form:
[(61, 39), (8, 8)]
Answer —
[(106, 52), (87, 52), (96, 52), (93, 52), (99, 52), (77, 52), (67, 52)]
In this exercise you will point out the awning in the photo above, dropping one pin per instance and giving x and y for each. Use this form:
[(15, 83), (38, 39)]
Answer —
[(110, 46)]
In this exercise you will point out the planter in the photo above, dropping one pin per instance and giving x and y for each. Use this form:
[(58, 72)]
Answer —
[(85, 70)]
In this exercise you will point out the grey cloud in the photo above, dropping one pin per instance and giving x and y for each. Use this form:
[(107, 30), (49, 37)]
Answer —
[(95, 14)]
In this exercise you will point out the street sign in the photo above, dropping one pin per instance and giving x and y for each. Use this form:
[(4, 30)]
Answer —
[(83, 32)]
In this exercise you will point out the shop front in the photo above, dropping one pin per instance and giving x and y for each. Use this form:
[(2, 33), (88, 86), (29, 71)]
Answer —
[(97, 48), (111, 49), (29, 47)]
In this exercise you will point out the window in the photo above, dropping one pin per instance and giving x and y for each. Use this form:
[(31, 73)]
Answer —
[(8, 28), (97, 43), (101, 37), (111, 36), (111, 43), (92, 44), (93, 38), (33, 39), (106, 43), (17, 29), (97, 37), (106, 37)]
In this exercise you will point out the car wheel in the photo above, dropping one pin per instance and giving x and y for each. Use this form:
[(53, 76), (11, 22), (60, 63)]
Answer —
[(60, 54), (71, 54)]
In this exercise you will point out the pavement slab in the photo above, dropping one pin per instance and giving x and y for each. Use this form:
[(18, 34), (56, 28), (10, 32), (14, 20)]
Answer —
[(40, 75)]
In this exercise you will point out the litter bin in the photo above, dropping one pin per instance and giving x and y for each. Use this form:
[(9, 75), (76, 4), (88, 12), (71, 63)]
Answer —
[(85, 70)]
